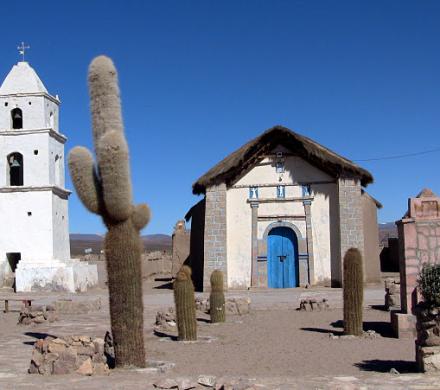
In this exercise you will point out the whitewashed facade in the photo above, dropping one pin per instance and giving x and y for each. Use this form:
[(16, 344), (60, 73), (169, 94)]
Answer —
[(34, 233)]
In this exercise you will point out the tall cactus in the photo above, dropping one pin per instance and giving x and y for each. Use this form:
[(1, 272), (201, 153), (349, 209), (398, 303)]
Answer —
[(353, 292), (217, 297), (185, 306), (105, 189)]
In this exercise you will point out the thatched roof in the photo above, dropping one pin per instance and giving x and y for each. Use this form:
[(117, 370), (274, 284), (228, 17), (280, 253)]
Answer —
[(240, 161)]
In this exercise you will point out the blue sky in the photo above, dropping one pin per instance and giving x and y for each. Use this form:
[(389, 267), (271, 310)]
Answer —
[(200, 78)]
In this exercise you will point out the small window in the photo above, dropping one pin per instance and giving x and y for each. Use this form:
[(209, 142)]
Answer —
[(6, 104), (305, 190), (253, 192), (36, 152), (30, 103), (29, 213), (281, 191), (280, 166)]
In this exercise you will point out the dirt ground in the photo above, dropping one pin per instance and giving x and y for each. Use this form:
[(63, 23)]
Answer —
[(275, 345)]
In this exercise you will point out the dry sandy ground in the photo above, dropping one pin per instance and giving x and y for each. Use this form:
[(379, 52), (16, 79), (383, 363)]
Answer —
[(275, 344)]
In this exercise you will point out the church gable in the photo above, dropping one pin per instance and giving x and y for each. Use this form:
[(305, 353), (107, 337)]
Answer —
[(243, 159), (282, 167)]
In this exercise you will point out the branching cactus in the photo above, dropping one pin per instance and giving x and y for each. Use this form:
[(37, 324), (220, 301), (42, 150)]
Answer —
[(217, 297), (105, 189), (185, 306), (353, 292)]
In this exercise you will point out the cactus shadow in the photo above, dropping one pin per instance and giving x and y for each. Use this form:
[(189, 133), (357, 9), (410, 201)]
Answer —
[(377, 365), (36, 336), (382, 328), (379, 307), (158, 333), (320, 330), (165, 286)]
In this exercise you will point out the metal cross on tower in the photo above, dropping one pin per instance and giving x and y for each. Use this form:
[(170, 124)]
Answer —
[(22, 49)]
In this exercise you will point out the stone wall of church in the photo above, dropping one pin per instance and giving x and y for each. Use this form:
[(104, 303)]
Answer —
[(215, 233)]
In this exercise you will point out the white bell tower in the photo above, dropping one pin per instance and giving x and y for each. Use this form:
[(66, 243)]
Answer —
[(34, 232)]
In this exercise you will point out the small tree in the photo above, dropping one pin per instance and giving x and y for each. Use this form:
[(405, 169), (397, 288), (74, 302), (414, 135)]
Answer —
[(353, 292)]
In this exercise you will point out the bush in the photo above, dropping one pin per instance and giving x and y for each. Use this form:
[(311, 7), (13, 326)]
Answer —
[(429, 284)]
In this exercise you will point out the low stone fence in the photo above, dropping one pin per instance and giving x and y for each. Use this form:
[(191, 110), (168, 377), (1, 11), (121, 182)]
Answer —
[(71, 354)]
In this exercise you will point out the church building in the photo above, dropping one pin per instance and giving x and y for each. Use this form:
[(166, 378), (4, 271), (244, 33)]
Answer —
[(280, 212), (34, 227)]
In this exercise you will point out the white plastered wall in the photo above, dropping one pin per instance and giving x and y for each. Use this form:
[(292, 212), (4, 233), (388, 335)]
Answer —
[(238, 209)]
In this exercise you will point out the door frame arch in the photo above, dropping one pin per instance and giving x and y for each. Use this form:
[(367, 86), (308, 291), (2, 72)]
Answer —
[(292, 236)]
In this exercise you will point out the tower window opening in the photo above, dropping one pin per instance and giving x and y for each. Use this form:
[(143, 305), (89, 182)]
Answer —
[(29, 213), (17, 118), (36, 152), (6, 104), (15, 169)]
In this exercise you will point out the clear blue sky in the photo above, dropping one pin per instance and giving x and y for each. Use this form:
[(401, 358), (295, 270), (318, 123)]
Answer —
[(200, 78)]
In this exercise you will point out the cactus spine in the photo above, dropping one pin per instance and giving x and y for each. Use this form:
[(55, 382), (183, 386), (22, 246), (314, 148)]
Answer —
[(105, 189), (185, 306), (217, 297), (353, 292)]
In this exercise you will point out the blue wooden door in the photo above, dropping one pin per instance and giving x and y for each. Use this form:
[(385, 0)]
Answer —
[(282, 258)]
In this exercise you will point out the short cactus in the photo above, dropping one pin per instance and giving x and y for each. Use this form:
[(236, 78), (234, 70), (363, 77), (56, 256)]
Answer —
[(217, 297), (353, 292), (185, 306), (105, 189)]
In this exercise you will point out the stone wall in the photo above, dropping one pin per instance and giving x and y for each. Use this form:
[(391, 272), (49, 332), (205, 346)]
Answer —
[(215, 233), (350, 217)]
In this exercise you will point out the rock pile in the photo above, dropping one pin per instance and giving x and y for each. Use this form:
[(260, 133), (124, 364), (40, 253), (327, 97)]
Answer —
[(311, 304), (233, 305), (166, 319), (37, 315), (392, 294), (70, 354), (369, 334)]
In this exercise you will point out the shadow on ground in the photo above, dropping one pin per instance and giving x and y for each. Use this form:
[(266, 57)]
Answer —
[(320, 330), (380, 327), (376, 365), (166, 335), (38, 336), (378, 307), (168, 285)]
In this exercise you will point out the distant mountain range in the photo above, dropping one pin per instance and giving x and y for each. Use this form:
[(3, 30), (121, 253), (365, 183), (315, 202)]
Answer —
[(162, 242), (80, 242)]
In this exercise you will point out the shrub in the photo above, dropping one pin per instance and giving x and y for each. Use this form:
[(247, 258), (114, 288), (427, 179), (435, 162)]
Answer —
[(429, 284)]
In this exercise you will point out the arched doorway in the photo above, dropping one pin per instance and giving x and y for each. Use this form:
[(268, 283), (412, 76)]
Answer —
[(282, 258)]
